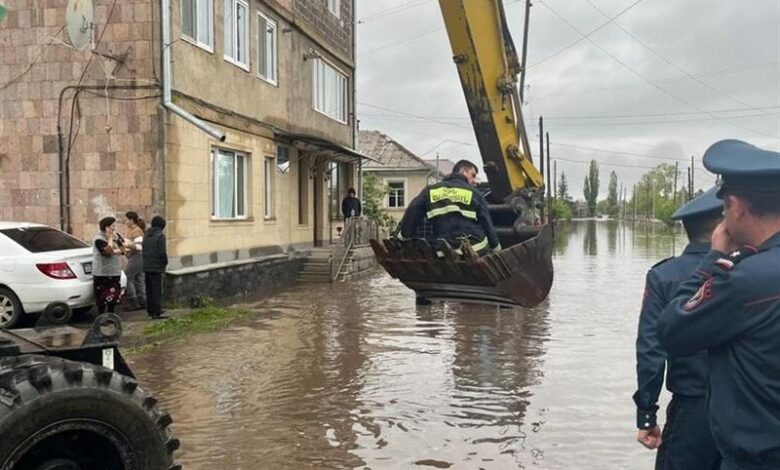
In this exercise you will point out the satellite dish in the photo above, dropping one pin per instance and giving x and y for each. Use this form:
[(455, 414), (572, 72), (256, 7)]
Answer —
[(80, 19)]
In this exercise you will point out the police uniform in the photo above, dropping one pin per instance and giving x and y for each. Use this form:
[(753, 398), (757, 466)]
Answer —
[(455, 210), (731, 308), (687, 442)]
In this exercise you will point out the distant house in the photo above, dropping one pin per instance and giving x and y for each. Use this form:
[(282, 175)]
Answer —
[(444, 165), (404, 173)]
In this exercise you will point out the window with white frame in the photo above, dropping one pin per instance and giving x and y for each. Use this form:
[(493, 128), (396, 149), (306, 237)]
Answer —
[(197, 22), (266, 48), (237, 32), (269, 203), (335, 7), (396, 194), (229, 182), (330, 90)]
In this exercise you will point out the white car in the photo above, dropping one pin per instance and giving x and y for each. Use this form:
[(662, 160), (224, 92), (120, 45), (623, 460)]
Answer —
[(40, 266)]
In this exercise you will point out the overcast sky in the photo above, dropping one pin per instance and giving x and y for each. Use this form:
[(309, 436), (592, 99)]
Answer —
[(686, 73)]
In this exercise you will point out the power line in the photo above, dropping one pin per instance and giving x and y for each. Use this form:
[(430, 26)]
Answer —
[(660, 121), (662, 81), (600, 27), (635, 72), (412, 38), (393, 10), (672, 64), (33, 62)]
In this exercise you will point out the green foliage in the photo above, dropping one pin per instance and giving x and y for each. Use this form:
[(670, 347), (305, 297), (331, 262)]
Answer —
[(654, 195), (374, 192), (203, 319), (591, 191), (562, 210), (563, 189), (612, 196)]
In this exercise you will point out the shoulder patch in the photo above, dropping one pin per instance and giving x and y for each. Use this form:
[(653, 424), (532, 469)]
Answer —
[(662, 262), (704, 293)]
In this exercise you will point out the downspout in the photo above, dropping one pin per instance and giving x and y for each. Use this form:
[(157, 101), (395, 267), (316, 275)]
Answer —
[(165, 20), (355, 122)]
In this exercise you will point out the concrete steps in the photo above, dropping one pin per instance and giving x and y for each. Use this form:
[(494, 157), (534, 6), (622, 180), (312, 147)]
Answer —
[(316, 268)]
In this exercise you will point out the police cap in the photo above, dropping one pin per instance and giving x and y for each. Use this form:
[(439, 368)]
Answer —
[(702, 204), (743, 167)]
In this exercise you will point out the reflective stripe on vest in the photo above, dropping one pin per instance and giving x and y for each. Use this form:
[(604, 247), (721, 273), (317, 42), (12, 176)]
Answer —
[(449, 209)]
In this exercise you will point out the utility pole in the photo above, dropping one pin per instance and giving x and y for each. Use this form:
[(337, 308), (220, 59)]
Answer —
[(555, 176), (525, 51), (550, 214), (647, 208), (693, 182), (541, 161), (438, 168), (633, 196), (620, 202), (653, 195), (676, 171), (689, 185)]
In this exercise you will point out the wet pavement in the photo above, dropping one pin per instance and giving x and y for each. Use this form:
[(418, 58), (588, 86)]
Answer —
[(355, 375)]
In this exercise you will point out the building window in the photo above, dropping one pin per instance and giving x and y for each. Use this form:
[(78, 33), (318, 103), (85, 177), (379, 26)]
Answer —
[(266, 48), (269, 209), (237, 32), (330, 90), (197, 22), (396, 194), (303, 192), (229, 182), (335, 7)]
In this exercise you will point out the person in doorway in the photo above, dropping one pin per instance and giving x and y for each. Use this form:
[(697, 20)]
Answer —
[(136, 289), (155, 258), (686, 442), (455, 210), (350, 205), (107, 251), (730, 306)]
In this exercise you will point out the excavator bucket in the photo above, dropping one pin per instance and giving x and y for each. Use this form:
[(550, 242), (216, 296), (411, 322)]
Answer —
[(521, 274)]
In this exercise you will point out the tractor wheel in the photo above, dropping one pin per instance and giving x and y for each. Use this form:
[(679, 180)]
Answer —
[(57, 414)]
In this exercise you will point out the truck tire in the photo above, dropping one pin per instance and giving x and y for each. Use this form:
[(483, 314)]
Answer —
[(10, 308), (57, 414)]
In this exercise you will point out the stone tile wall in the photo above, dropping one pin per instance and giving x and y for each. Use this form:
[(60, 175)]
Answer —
[(337, 31)]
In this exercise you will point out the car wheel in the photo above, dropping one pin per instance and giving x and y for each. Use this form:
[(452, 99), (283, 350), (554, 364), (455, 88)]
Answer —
[(10, 308)]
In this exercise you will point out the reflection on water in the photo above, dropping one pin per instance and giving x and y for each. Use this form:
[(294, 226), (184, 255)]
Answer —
[(355, 375)]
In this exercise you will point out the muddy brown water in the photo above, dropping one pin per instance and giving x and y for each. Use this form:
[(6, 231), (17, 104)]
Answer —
[(355, 375)]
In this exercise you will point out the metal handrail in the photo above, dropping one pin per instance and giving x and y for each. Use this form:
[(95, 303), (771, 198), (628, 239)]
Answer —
[(349, 237)]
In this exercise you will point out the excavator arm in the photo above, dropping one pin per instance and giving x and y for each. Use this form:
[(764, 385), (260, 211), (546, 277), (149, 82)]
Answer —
[(488, 66)]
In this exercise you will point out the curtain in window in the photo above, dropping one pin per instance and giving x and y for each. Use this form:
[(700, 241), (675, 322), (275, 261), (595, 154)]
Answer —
[(188, 18), (242, 34), (225, 174), (229, 23), (203, 21)]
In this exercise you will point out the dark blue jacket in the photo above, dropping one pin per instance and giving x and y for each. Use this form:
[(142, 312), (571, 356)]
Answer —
[(453, 225), (731, 307), (686, 375)]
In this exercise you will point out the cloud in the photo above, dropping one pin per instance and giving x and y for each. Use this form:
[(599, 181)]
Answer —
[(686, 64)]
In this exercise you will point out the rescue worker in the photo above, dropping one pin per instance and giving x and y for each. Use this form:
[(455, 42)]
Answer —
[(731, 307), (686, 443), (455, 210)]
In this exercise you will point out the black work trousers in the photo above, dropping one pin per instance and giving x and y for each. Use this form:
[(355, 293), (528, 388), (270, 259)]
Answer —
[(687, 440), (153, 293)]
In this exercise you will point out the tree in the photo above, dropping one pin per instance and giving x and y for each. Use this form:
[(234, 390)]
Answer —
[(374, 192), (563, 189), (591, 187), (655, 196), (562, 210), (612, 195)]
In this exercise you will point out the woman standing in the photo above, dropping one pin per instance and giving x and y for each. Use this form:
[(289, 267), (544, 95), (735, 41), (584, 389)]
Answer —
[(107, 252), (136, 290)]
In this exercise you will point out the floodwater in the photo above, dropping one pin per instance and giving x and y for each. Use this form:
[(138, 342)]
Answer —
[(356, 376)]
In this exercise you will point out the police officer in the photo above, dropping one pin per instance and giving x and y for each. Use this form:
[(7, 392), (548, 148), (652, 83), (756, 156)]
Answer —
[(455, 210), (731, 308), (686, 443)]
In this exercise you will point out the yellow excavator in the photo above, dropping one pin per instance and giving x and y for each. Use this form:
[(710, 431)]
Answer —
[(521, 273)]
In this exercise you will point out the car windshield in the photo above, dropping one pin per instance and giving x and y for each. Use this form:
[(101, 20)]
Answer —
[(43, 239)]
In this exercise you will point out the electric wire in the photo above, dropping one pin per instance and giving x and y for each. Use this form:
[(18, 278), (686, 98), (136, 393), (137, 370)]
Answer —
[(33, 62)]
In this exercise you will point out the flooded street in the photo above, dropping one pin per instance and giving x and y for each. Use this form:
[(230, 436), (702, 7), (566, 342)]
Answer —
[(356, 375)]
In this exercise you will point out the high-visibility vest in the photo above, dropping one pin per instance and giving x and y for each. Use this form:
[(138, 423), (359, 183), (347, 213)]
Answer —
[(444, 200)]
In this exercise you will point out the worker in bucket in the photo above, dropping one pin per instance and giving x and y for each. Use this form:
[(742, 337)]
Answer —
[(686, 442), (455, 210)]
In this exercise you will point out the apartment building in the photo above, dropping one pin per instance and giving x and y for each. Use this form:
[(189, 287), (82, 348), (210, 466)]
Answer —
[(234, 119)]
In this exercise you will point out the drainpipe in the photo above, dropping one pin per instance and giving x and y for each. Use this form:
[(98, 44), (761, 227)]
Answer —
[(165, 20)]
